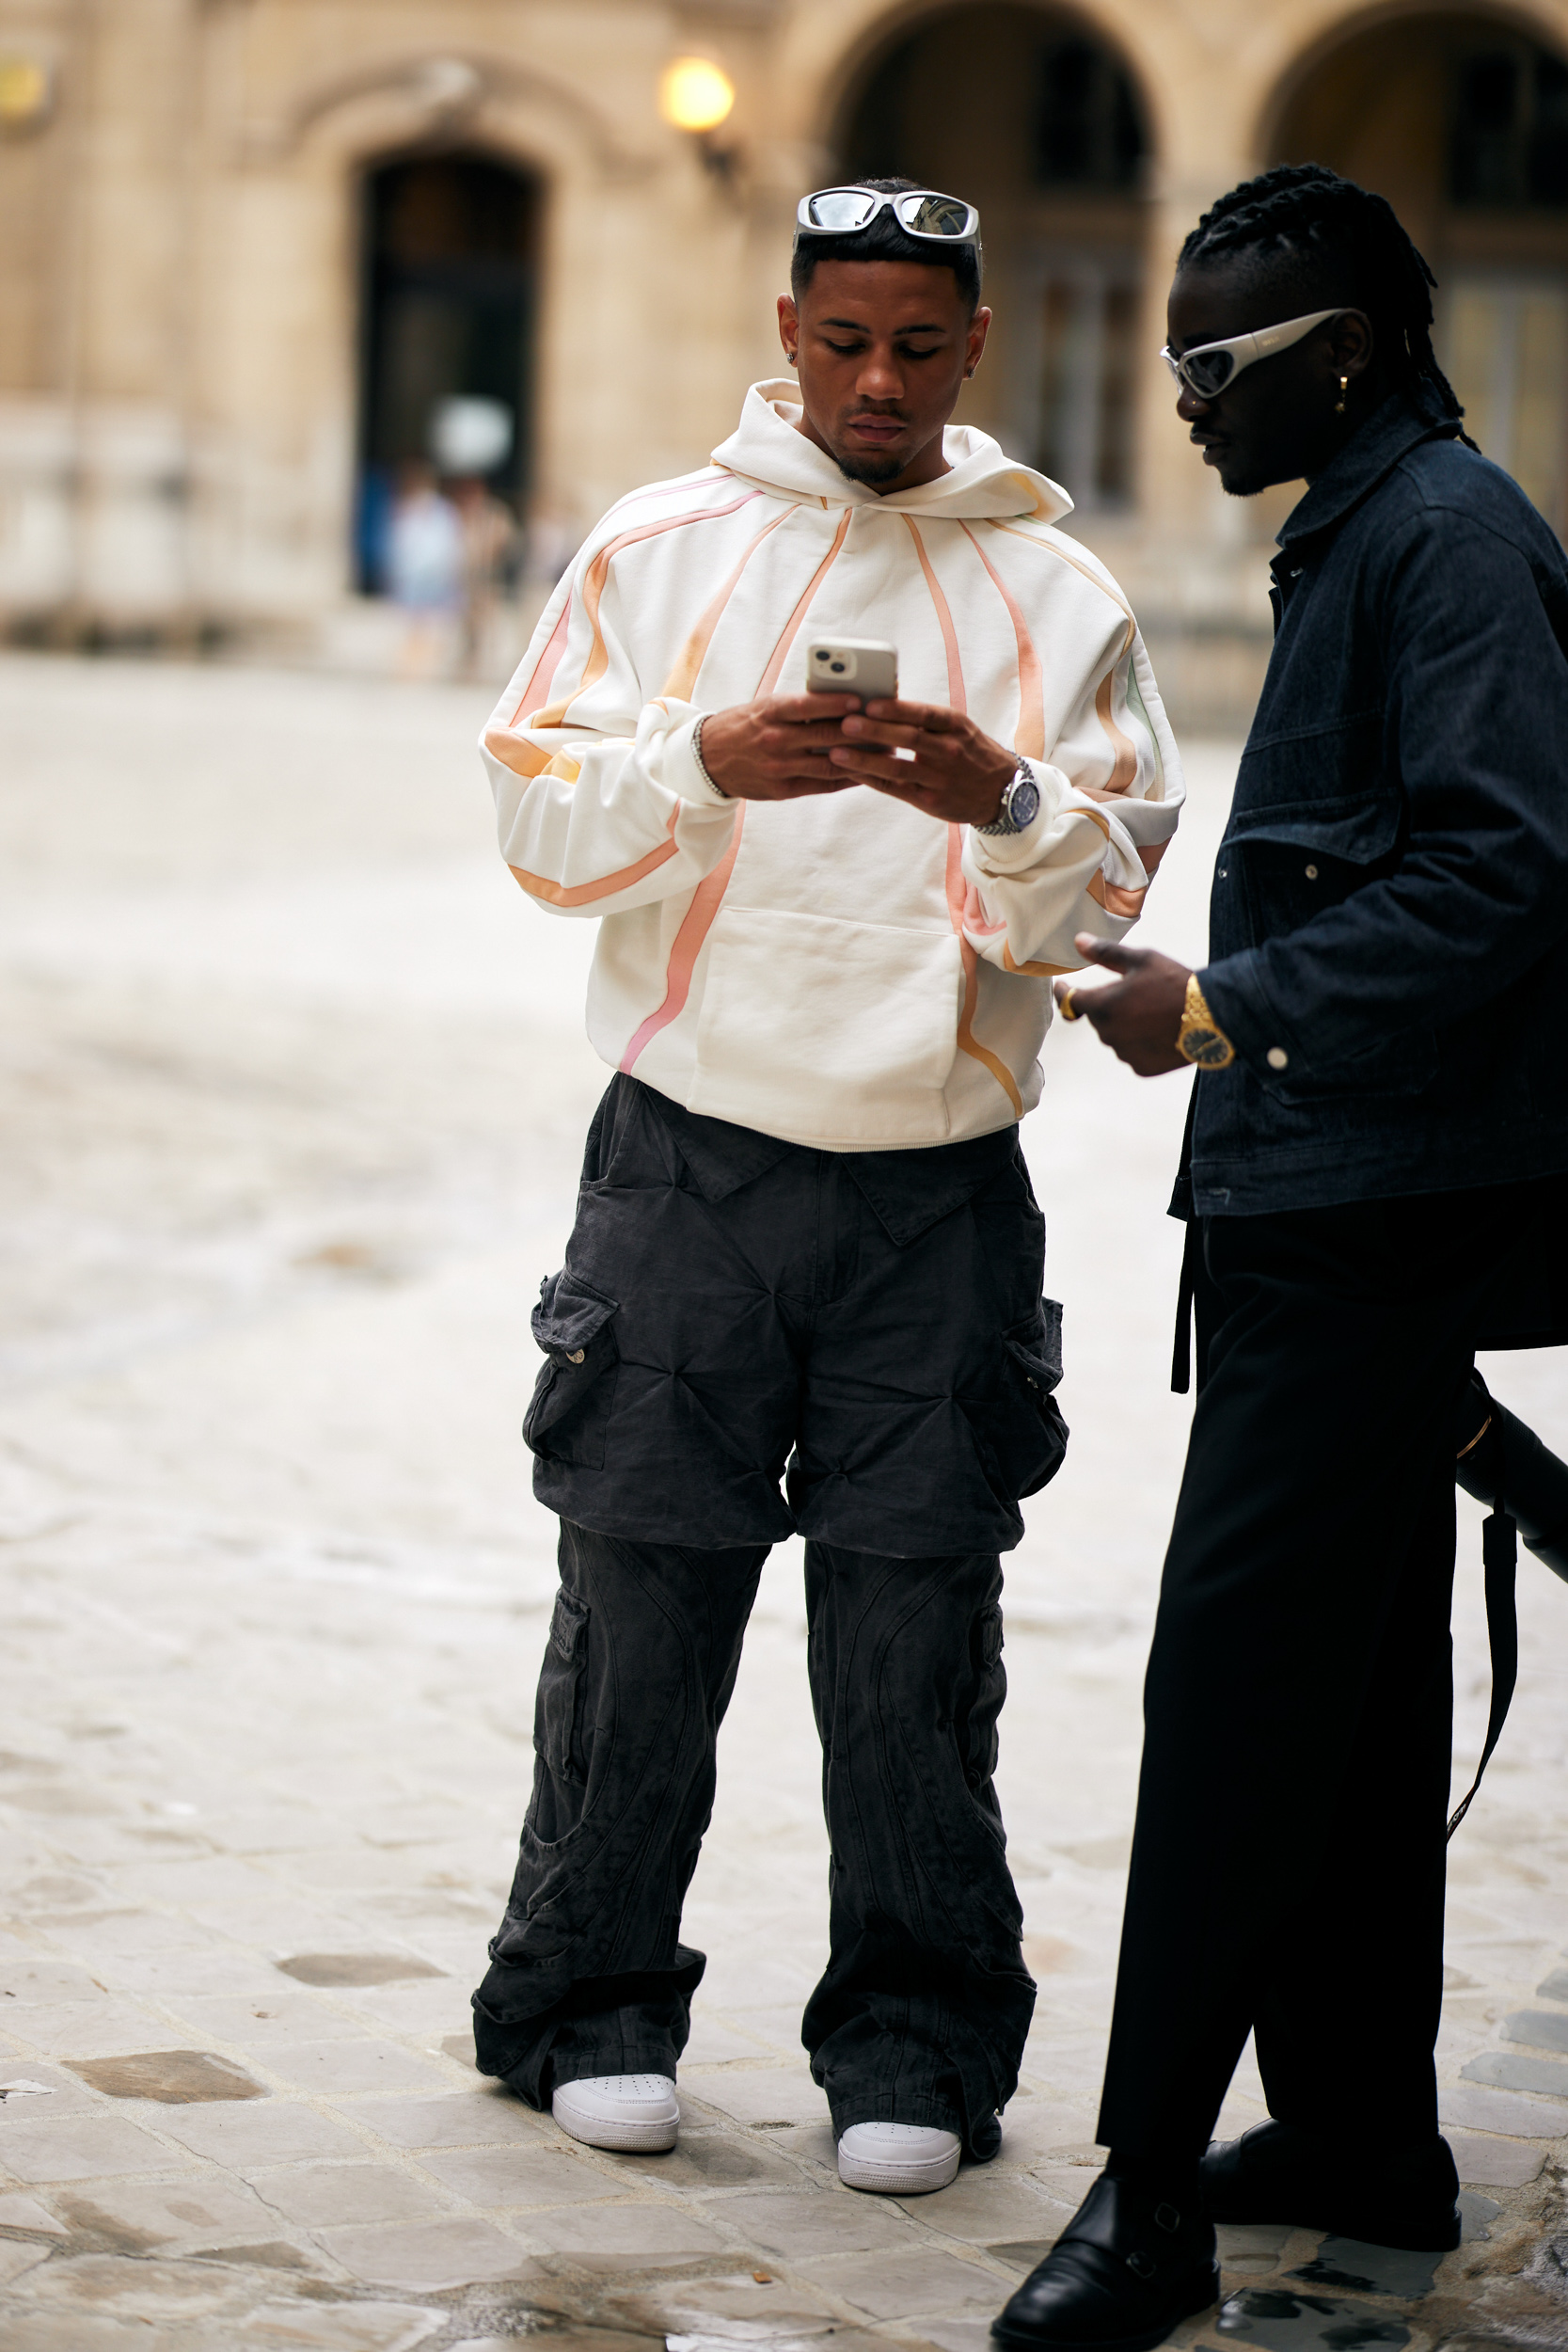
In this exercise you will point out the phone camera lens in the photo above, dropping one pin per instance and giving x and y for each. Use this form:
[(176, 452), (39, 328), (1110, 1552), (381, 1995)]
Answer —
[(838, 668)]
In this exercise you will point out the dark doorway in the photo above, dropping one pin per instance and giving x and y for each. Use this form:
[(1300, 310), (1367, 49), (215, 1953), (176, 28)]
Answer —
[(449, 267)]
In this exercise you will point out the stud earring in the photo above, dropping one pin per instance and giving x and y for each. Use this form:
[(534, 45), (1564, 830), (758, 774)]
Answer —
[(1340, 404)]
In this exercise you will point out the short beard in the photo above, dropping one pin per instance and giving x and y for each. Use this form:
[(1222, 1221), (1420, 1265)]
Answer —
[(1243, 486), (873, 471)]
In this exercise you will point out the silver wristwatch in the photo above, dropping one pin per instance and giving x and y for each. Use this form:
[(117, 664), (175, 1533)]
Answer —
[(1021, 803)]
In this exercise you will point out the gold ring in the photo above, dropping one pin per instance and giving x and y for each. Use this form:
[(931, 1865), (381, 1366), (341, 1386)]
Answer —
[(1068, 1009)]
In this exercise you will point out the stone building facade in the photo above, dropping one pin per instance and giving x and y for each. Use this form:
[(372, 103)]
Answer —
[(248, 248)]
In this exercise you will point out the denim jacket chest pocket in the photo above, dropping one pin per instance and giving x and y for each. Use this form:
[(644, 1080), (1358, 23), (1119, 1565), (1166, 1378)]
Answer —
[(1319, 813), (1315, 816)]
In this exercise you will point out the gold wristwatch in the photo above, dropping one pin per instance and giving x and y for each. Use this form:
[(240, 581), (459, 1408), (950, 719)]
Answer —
[(1200, 1039)]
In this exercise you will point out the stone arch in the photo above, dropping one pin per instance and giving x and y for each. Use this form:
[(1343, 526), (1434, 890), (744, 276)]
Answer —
[(1347, 29), (1459, 116), (1037, 112), (301, 167), (890, 26), (424, 94)]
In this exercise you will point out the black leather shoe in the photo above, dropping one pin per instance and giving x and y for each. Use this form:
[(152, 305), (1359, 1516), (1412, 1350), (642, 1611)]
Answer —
[(1383, 2197), (1125, 2272)]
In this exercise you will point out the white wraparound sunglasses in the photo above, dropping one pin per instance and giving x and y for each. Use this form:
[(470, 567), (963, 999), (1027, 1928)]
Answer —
[(920, 212), (1209, 369)]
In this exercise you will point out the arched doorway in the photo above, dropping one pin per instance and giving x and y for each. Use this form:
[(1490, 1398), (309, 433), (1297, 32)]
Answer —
[(450, 264), (1029, 113), (1462, 121)]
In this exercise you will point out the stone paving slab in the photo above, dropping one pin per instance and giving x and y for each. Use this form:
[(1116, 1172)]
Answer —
[(293, 1138)]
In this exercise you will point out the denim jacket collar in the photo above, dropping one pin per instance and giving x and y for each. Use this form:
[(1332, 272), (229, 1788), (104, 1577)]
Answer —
[(1405, 419)]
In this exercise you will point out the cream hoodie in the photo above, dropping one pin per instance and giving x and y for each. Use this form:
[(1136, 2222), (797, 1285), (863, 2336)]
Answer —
[(841, 971)]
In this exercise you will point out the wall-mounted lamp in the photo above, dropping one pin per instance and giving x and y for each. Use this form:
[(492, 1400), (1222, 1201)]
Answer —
[(696, 96), (26, 92)]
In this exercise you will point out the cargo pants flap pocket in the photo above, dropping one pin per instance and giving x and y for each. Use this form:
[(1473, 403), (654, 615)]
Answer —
[(1035, 1346), (568, 1625), (570, 1316), (557, 1725), (1030, 1436), (569, 1412)]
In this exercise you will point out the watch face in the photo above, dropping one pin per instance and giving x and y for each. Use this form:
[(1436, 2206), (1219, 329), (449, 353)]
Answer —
[(1022, 801), (1206, 1047)]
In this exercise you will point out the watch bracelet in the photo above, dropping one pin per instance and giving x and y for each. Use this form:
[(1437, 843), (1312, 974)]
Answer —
[(701, 764)]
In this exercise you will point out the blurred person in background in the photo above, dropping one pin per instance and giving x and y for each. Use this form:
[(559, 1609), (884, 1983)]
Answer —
[(489, 536), (425, 566), (1374, 1161), (807, 1250), (549, 545)]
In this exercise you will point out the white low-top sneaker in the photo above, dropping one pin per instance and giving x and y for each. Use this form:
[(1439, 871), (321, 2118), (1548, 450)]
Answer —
[(620, 2110), (897, 2159)]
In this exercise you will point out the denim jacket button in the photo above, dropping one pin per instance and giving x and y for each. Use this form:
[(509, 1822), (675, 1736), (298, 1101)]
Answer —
[(1311, 873), (1277, 1058)]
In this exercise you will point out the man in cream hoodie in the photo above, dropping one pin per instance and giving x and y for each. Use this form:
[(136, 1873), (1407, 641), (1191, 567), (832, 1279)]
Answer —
[(807, 1256)]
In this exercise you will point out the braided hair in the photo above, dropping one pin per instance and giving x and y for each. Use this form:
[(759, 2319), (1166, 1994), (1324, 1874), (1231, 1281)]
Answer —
[(1330, 228)]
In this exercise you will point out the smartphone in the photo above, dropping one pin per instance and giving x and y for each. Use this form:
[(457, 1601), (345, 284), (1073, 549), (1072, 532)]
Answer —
[(854, 665)]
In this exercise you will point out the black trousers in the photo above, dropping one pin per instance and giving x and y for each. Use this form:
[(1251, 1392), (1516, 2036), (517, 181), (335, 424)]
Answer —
[(866, 1330), (1288, 1862)]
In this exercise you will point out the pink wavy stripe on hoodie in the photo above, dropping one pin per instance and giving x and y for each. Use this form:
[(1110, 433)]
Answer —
[(1030, 738), (967, 1041), (956, 698), (769, 678), (695, 926), (542, 675)]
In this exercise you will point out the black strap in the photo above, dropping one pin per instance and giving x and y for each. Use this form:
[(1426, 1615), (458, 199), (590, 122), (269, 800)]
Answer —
[(1181, 1353), (1499, 1552)]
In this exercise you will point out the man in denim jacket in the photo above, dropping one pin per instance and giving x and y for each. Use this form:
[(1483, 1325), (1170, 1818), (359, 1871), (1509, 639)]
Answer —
[(1375, 1150)]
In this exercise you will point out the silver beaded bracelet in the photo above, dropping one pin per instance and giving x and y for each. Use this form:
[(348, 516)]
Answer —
[(697, 755)]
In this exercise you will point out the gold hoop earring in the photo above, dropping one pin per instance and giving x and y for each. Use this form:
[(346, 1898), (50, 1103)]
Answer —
[(1340, 404)]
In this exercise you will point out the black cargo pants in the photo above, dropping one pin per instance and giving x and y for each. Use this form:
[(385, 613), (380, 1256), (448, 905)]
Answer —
[(869, 1328)]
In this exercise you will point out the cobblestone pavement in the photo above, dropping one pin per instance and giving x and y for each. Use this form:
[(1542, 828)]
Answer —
[(294, 1092)]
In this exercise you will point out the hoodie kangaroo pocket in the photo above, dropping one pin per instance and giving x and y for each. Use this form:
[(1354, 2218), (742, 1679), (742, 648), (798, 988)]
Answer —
[(568, 1416), (817, 1027)]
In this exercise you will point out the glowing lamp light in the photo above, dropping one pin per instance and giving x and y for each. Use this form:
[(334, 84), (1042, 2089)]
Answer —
[(25, 91), (694, 94)]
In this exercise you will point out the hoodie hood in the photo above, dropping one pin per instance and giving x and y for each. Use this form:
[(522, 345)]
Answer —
[(767, 450)]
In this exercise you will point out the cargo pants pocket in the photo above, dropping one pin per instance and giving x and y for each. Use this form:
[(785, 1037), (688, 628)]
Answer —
[(1029, 1436), (568, 1416), (558, 1728), (987, 1688)]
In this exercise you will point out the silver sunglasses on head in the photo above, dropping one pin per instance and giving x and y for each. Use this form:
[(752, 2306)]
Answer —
[(920, 212), (1209, 369)]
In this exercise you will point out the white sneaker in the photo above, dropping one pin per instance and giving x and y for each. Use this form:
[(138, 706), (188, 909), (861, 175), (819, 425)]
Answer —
[(897, 2159), (619, 2111)]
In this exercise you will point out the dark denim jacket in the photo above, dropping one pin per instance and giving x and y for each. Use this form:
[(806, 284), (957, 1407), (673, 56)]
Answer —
[(1388, 928)]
